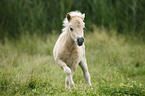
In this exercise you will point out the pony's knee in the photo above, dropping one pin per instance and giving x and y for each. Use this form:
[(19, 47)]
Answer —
[(67, 70), (85, 71), (86, 75)]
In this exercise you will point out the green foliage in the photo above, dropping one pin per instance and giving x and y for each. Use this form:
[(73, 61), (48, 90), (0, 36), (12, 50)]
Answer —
[(116, 64), (17, 16)]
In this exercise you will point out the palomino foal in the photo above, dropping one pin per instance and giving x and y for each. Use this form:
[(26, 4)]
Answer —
[(69, 50)]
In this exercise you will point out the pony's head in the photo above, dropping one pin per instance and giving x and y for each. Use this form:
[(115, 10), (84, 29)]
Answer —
[(74, 26)]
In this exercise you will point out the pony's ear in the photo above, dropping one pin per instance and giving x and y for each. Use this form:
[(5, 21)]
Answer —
[(83, 16), (68, 17)]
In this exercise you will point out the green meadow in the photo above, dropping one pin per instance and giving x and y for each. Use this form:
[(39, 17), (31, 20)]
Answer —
[(116, 64)]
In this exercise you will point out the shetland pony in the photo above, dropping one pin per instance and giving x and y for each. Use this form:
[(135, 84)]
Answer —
[(69, 50)]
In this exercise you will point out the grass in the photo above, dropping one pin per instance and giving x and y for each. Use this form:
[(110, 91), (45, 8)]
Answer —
[(116, 64)]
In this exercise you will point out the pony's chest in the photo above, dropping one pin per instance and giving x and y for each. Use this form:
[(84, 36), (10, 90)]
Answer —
[(71, 56)]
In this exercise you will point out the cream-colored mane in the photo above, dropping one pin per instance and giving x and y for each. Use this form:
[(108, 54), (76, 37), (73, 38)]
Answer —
[(73, 14)]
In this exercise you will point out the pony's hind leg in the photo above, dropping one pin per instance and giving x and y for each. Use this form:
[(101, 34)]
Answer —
[(67, 83), (68, 74)]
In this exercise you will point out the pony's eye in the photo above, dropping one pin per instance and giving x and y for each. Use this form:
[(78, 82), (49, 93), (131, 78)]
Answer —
[(71, 29)]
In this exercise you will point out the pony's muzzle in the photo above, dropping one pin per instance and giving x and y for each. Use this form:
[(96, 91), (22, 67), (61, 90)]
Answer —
[(80, 41)]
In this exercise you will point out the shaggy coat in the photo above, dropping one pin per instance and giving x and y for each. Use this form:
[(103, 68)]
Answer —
[(69, 50)]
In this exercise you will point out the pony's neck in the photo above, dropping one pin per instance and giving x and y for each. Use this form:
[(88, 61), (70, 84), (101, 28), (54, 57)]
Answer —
[(70, 43), (69, 39)]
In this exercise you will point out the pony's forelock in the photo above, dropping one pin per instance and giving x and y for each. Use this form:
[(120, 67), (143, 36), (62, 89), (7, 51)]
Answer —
[(72, 14)]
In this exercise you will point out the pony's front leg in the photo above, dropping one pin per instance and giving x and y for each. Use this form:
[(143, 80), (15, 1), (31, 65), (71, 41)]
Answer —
[(69, 81), (84, 67)]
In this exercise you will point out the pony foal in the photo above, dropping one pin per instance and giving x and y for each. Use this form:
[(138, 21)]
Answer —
[(69, 50)]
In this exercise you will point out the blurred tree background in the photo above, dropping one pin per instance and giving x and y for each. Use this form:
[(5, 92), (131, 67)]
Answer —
[(46, 16)]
